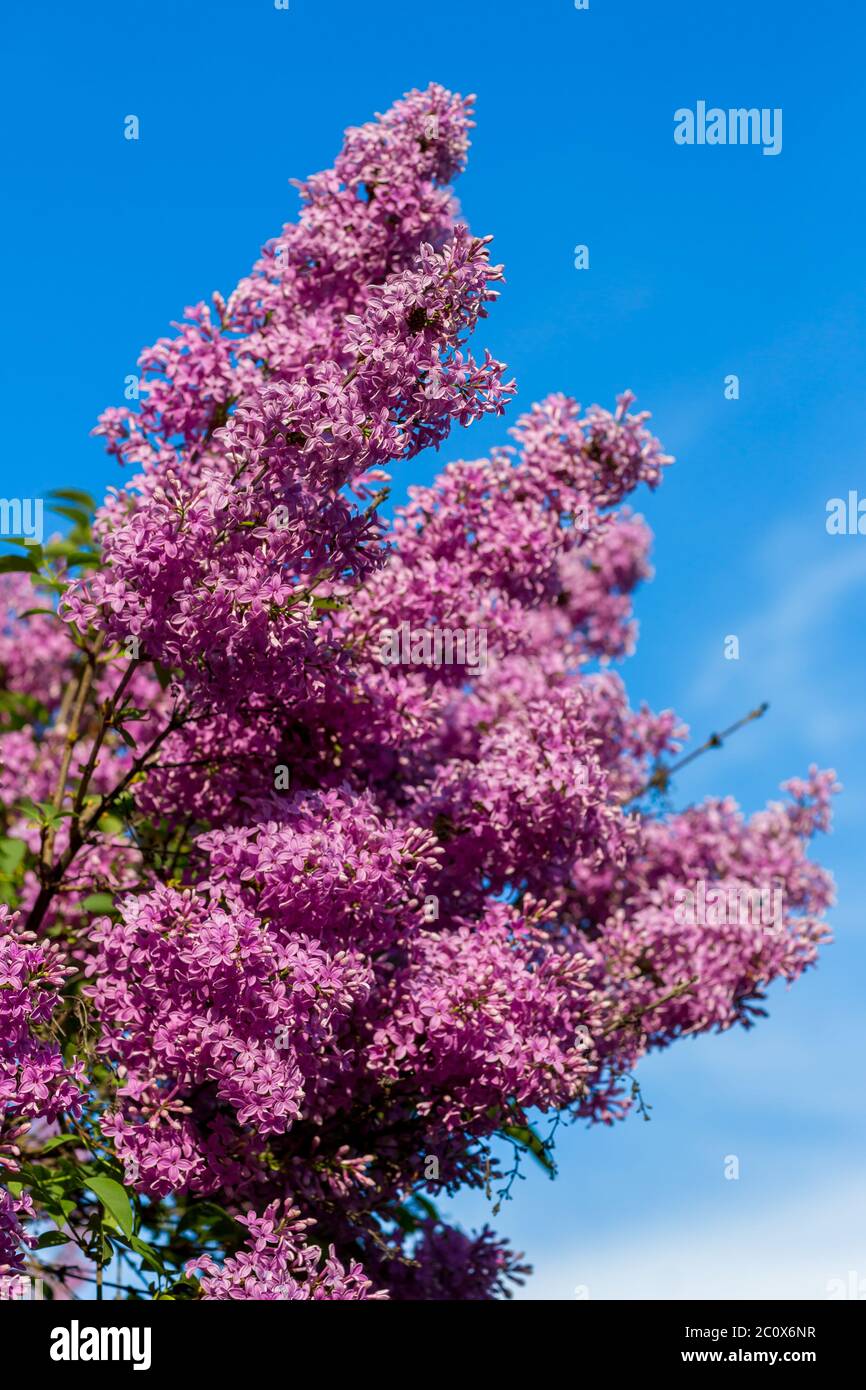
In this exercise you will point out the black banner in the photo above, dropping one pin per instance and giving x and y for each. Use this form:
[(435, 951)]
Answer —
[(49, 1338)]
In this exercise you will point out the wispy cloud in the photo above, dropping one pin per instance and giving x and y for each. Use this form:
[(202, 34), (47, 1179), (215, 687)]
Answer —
[(797, 648), (791, 1251)]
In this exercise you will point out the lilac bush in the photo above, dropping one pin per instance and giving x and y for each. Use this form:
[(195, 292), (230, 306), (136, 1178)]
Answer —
[(305, 940)]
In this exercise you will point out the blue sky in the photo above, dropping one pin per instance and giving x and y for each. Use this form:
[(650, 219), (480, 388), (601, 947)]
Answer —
[(704, 261)]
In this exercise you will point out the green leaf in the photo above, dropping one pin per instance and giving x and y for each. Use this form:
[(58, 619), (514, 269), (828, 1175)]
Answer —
[(56, 1140), (11, 854), (29, 702), (426, 1205), (76, 514), (56, 549), (116, 1201), (71, 553), (52, 1238), (98, 902), (183, 1289), (84, 558), (11, 563), (61, 1209), (32, 548), (148, 1253), (71, 494), (43, 813), (525, 1136), (405, 1220)]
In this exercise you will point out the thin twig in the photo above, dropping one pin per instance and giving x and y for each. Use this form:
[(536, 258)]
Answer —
[(85, 680), (107, 714), (624, 1022), (661, 776)]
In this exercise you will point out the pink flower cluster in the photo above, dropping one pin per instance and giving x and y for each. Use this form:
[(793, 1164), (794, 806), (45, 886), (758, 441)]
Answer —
[(34, 1079), (278, 1265), (450, 1265)]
